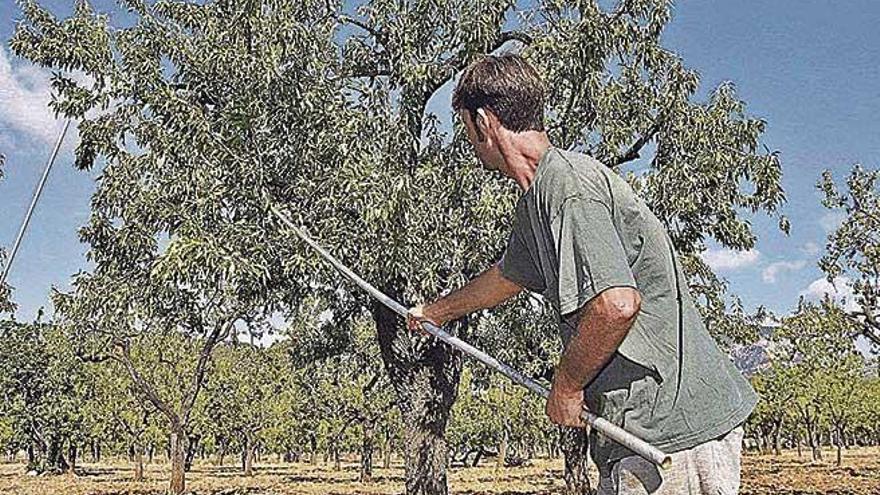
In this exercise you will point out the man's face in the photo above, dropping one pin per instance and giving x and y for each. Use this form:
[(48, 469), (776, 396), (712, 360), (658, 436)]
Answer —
[(484, 148)]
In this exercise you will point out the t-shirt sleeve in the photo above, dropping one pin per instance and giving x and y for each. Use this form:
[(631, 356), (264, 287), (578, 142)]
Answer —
[(517, 264), (590, 252)]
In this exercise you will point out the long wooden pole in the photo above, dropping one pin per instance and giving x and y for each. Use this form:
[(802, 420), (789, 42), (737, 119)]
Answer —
[(33, 205)]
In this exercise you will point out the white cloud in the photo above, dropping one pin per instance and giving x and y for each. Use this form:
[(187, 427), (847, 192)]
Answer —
[(773, 270), (839, 290), (810, 248), (24, 98), (727, 259), (831, 220)]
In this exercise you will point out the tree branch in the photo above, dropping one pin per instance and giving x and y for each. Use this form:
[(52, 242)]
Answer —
[(220, 332), (144, 387), (379, 36), (633, 152)]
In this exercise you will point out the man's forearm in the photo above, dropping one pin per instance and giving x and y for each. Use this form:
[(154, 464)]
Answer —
[(488, 289), (603, 326)]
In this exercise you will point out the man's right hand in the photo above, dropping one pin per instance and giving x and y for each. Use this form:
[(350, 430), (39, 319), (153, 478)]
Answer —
[(416, 316)]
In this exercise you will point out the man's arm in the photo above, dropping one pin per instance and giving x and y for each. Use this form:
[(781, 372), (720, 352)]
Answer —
[(603, 326), (488, 289)]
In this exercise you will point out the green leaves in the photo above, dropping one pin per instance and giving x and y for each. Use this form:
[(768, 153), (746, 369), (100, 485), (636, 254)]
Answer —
[(853, 249)]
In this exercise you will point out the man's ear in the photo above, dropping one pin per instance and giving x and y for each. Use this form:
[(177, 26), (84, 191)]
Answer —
[(482, 124)]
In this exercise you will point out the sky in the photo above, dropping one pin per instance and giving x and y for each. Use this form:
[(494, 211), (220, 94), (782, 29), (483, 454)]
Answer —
[(809, 68)]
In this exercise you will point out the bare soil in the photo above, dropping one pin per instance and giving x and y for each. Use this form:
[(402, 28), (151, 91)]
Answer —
[(762, 475)]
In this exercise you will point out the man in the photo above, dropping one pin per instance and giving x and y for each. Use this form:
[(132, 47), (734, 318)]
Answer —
[(637, 351)]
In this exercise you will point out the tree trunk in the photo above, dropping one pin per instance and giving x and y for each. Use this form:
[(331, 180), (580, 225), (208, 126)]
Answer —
[(313, 440), (247, 457), (191, 449), (386, 462), (138, 463), (367, 447), (425, 382), (72, 457), (776, 433), (177, 452), (575, 443), (815, 443), (839, 446), (55, 460), (502, 450), (477, 456)]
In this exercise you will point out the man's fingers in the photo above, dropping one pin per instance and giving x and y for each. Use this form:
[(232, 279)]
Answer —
[(415, 319)]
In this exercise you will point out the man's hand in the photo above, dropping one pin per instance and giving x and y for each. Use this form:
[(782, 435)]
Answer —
[(565, 404), (417, 315)]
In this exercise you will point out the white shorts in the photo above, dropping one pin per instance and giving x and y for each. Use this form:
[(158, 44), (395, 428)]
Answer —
[(711, 468)]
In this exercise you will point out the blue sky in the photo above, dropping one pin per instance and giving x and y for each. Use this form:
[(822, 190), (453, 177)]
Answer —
[(809, 68)]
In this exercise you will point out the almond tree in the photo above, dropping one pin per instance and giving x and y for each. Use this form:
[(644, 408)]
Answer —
[(853, 249), (183, 102)]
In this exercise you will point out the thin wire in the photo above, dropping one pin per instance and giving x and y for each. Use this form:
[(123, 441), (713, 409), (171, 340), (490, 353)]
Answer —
[(33, 205)]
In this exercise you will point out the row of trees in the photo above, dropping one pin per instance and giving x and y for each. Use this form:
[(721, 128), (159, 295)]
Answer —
[(201, 114), (301, 400), (293, 401), (818, 385)]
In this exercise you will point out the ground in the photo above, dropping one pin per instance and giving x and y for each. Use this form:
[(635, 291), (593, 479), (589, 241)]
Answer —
[(762, 475)]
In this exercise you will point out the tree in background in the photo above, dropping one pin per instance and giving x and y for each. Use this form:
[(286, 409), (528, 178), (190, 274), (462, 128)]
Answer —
[(44, 388), (120, 416), (853, 252), (824, 369), (773, 411)]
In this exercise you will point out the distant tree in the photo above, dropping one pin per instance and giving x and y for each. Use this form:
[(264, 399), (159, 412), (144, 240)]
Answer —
[(853, 249), (774, 387), (495, 417), (824, 369), (120, 414), (44, 389)]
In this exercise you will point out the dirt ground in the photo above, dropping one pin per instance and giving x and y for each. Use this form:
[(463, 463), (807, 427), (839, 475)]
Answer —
[(762, 475)]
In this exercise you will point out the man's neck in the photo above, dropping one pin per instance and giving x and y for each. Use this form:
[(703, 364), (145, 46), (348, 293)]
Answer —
[(522, 153)]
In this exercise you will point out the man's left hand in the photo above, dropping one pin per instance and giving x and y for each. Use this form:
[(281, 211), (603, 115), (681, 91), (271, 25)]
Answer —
[(565, 404)]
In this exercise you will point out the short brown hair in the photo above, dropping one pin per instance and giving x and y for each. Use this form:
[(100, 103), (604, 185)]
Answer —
[(508, 86)]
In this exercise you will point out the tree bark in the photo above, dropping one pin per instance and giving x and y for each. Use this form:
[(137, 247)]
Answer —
[(502, 450), (247, 457), (425, 382), (367, 448), (72, 452), (55, 460), (138, 463), (839, 442), (575, 443), (191, 449), (386, 462), (177, 452)]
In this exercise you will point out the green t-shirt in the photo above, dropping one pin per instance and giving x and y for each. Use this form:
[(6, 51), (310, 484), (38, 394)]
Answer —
[(580, 229)]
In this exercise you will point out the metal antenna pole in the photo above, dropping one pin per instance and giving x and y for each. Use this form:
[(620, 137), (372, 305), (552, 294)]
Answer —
[(30, 210), (602, 425)]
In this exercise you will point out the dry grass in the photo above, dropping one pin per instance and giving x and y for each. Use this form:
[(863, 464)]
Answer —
[(763, 475)]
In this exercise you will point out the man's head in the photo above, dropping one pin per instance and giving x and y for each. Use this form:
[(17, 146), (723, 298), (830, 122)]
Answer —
[(498, 95)]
